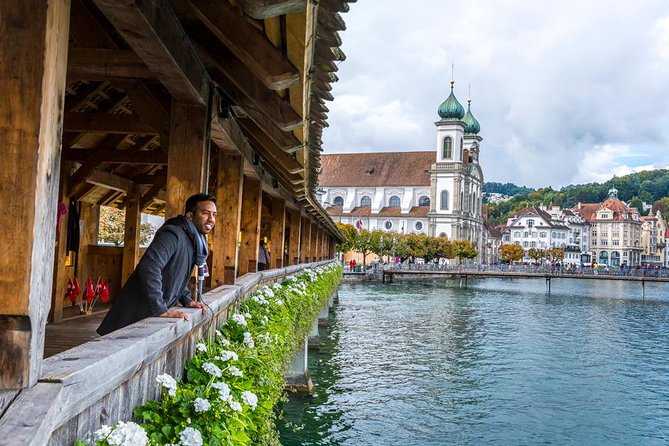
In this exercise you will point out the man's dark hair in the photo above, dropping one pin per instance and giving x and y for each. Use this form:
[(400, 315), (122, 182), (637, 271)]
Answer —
[(191, 203)]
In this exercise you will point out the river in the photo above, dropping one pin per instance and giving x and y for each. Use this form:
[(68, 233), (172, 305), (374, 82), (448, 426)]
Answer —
[(497, 363)]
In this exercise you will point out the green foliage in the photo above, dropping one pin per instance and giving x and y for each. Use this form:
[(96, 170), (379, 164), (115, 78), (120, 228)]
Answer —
[(231, 385), (506, 189), (536, 254), (555, 254), (464, 249), (112, 227)]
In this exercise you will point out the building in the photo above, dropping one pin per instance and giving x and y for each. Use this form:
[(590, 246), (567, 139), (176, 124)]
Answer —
[(436, 192), (615, 231), (535, 228), (654, 240)]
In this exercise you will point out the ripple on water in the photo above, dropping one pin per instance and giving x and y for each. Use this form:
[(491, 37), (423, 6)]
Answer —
[(498, 363)]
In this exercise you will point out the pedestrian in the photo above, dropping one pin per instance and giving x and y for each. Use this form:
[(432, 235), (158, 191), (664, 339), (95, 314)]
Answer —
[(161, 276), (263, 256)]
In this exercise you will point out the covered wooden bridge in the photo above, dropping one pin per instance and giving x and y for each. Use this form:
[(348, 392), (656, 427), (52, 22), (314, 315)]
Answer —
[(137, 104)]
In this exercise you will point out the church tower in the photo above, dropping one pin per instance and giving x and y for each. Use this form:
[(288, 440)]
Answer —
[(456, 176)]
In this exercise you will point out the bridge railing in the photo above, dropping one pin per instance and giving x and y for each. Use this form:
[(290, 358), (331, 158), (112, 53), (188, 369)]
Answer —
[(539, 269)]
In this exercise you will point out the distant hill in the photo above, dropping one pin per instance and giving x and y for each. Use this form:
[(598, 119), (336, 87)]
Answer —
[(648, 186)]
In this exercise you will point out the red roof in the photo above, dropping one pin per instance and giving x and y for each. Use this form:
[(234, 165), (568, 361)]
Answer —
[(377, 169)]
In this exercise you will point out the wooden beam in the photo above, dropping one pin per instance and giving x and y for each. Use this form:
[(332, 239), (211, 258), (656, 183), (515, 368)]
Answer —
[(294, 240), (250, 226), (153, 31), (102, 64), (33, 49), (110, 181), (86, 29), (305, 240), (149, 196), (264, 9), (131, 235), (278, 230), (225, 237), (286, 141), (151, 111), (250, 46), (115, 156), (270, 150), (105, 123), (187, 155)]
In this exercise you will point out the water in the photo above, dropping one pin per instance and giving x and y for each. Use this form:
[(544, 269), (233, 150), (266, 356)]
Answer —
[(498, 363)]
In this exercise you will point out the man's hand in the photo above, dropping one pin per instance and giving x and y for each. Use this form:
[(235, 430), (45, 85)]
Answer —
[(196, 304), (175, 314)]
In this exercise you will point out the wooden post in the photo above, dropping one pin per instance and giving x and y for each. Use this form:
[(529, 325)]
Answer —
[(60, 272), (225, 237), (250, 226), (131, 238), (294, 246), (278, 230), (305, 240), (33, 51), (187, 155), (313, 252)]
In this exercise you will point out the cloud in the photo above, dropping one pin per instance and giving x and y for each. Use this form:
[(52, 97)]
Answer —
[(554, 86)]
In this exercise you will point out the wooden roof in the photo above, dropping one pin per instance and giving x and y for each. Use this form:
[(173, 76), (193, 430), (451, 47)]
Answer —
[(377, 169), (263, 68)]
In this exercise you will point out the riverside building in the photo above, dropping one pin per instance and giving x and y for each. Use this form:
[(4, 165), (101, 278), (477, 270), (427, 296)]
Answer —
[(437, 192)]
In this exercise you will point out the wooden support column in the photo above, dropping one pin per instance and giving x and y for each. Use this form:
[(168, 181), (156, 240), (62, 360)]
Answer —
[(187, 155), (131, 238), (305, 241), (225, 252), (313, 252), (317, 242), (89, 216), (294, 245), (33, 51), (250, 226), (278, 230), (60, 271)]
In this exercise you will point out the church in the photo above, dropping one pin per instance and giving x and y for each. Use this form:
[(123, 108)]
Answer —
[(436, 192)]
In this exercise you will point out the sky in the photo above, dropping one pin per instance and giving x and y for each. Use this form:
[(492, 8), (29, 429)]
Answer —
[(566, 92)]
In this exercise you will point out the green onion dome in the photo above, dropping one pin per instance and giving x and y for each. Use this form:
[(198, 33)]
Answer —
[(450, 109), (472, 126)]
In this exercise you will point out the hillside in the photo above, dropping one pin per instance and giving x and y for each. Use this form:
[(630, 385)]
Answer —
[(649, 186)]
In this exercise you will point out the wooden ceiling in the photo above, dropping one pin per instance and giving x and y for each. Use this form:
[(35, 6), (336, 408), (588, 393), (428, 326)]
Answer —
[(264, 68)]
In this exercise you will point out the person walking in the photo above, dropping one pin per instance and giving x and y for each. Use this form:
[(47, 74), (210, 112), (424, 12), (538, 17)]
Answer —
[(161, 276)]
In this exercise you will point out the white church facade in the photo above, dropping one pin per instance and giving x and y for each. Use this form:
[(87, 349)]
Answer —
[(437, 192)]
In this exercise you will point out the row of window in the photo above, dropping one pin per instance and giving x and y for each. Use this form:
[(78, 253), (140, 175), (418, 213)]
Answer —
[(394, 201), (388, 225), (447, 148)]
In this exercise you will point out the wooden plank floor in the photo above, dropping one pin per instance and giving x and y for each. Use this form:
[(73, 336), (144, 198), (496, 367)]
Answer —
[(71, 332)]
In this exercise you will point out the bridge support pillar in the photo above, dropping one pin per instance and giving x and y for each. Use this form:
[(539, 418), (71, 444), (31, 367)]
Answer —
[(314, 340), (297, 376), (548, 285), (324, 317)]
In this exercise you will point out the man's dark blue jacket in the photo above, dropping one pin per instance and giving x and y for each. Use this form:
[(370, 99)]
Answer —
[(160, 279)]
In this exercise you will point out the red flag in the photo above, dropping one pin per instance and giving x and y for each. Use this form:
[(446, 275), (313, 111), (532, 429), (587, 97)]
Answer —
[(75, 289), (69, 293), (104, 292), (89, 293)]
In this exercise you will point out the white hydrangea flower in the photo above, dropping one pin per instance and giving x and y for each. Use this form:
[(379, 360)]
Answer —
[(234, 371), (223, 391), (127, 434), (250, 399), (168, 383), (102, 433), (276, 286), (279, 302), (219, 334), (240, 319), (201, 405), (200, 347), (190, 437), (248, 340), (268, 291), (212, 369), (247, 316), (227, 355), (234, 405), (224, 342)]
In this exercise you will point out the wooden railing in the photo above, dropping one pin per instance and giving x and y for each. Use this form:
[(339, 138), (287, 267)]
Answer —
[(100, 382)]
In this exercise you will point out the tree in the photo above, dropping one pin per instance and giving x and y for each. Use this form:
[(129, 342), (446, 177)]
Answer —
[(511, 252), (536, 254), (417, 245), (364, 245), (112, 227), (350, 234), (440, 247), (555, 254), (464, 249)]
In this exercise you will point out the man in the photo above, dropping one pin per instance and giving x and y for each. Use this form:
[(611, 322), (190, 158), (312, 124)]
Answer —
[(162, 275)]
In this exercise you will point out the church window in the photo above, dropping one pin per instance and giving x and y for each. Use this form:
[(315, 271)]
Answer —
[(424, 201), (444, 199), (366, 202), (418, 226), (461, 149), (394, 201), (447, 149), (388, 225), (443, 234), (338, 201)]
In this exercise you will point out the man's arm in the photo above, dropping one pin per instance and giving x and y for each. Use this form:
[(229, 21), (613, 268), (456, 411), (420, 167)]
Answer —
[(150, 267)]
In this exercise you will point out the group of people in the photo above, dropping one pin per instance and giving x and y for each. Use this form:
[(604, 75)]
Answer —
[(161, 277)]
